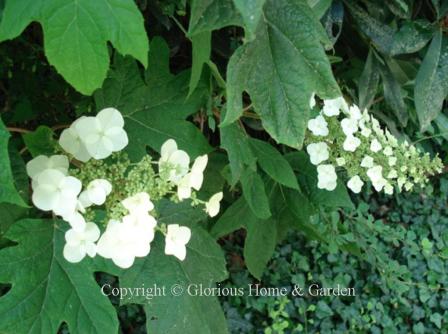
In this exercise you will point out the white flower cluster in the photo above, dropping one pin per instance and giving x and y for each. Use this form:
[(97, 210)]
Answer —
[(129, 235), (356, 143)]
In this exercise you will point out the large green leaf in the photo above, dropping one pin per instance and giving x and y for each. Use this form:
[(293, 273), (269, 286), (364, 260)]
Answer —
[(46, 289), (291, 210), (233, 218), (76, 33), (380, 34), (251, 11), (208, 15), (261, 235), (273, 163), (280, 69), (156, 110), (259, 245), (411, 37), (255, 193), (8, 191), (236, 143), (431, 85), (203, 266), (392, 94), (368, 82), (202, 48), (10, 214)]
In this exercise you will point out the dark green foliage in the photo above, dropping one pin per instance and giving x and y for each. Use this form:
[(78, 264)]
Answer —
[(400, 281), (231, 79)]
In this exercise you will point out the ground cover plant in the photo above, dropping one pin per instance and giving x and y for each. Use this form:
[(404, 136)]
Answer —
[(157, 144)]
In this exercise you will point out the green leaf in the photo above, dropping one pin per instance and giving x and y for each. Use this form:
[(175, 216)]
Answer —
[(10, 214), (19, 174), (261, 235), (76, 33), (273, 163), (436, 319), (380, 34), (236, 143), (8, 191), (40, 141), (307, 175), (411, 37), (186, 314), (319, 6), (251, 11), (232, 219), (208, 15), (368, 82), (202, 49), (290, 210), (259, 245), (182, 213), (283, 57), (393, 95), (156, 110), (255, 193), (431, 86), (46, 289), (399, 8), (204, 265)]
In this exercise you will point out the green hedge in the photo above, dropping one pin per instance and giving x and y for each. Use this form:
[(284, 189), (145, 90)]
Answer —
[(401, 277)]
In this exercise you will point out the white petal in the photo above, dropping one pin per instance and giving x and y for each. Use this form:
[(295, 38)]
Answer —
[(91, 249), (65, 205), (71, 185), (84, 199), (177, 250), (97, 195), (69, 140), (91, 232), (119, 139), (184, 189), (98, 150), (124, 260), (59, 162), (182, 234), (73, 254), (73, 238), (141, 249), (212, 208), (110, 117), (45, 197), (180, 158), (196, 180), (106, 245), (168, 148), (86, 126), (36, 166), (199, 164), (50, 176), (76, 221)]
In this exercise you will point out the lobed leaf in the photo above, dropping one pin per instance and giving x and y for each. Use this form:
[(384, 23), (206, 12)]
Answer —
[(46, 289), (280, 69), (76, 33)]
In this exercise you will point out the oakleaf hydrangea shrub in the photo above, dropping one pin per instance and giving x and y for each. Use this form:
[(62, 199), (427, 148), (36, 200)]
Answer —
[(344, 137), (92, 172)]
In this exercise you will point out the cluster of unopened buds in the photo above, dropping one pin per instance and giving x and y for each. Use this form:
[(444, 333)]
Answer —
[(343, 137), (125, 191)]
